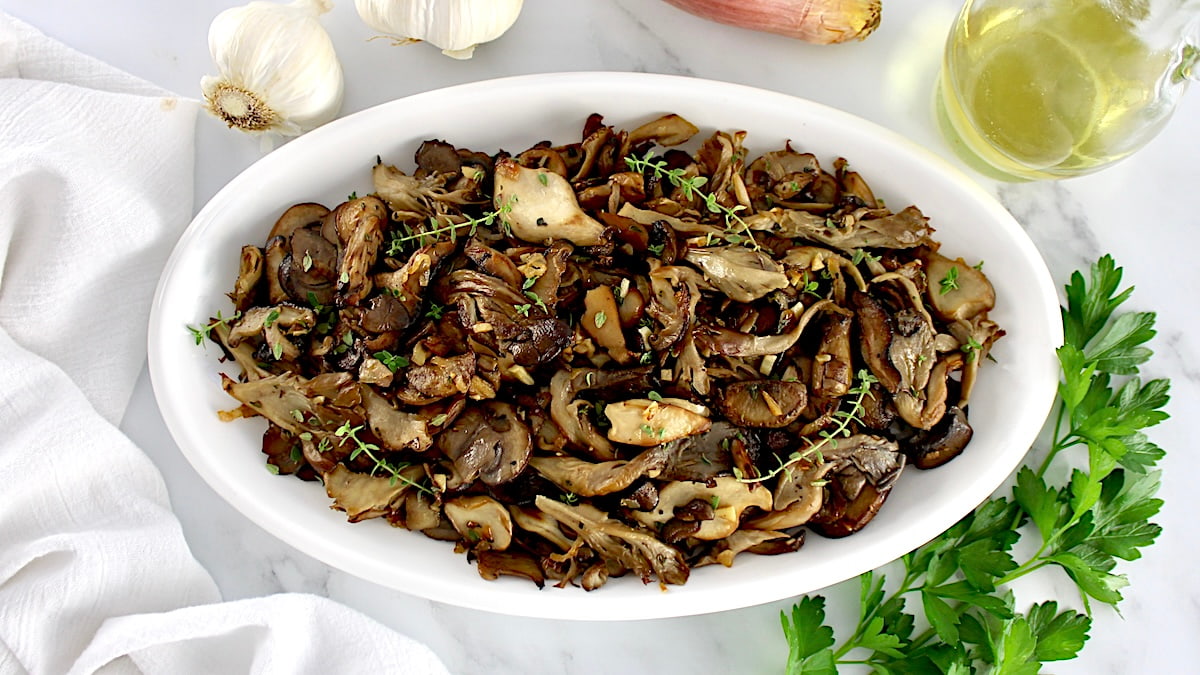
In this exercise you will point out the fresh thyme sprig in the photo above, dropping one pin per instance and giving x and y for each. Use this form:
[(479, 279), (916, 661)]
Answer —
[(396, 244), (845, 418), (737, 231), (1095, 518), (349, 433), (205, 332)]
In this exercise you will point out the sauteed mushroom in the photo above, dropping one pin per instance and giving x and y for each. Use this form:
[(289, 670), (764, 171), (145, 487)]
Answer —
[(606, 357)]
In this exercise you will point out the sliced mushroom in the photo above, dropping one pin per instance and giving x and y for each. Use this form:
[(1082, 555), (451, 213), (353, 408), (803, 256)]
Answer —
[(360, 225), (797, 497), (296, 217), (906, 229), (488, 441), (945, 441), (638, 551), (668, 130), (832, 371), (250, 272), (643, 422), (493, 564), (739, 272), (591, 479), (763, 542), (363, 496), (875, 339), (396, 429), (763, 403), (570, 417), (729, 498), (956, 290), (602, 320), (274, 324), (484, 523), (439, 378), (541, 206), (863, 472)]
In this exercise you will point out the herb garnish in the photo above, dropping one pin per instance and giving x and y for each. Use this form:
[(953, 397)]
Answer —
[(736, 229), (205, 331), (1083, 526), (950, 281)]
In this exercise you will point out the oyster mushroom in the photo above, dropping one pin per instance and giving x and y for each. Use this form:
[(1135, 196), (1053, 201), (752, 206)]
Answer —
[(482, 521), (491, 565), (360, 224), (641, 421), (762, 542), (363, 496), (907, 229), (250, 272), (396, 429), (797, 497), (274, 324), (728, 496), (591, 479), (635, 550), (741, 273), (542, 206)]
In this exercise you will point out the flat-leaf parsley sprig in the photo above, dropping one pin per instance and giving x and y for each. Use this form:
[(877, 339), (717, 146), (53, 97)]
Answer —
[(1099, 515), (736, 229)]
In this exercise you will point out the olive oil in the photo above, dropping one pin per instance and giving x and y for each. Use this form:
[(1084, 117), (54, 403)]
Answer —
[(1051, 89)]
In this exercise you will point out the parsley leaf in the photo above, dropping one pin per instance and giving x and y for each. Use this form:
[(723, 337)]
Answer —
[(809, 639)]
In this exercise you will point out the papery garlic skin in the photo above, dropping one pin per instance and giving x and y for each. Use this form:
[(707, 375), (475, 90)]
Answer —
[(278, 71), (454, 26)]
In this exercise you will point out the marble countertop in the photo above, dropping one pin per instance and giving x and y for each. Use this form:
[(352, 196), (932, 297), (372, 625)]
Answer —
[(1139, 210)]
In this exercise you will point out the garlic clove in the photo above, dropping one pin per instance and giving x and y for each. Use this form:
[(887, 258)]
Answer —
[(454, 26), (277, 69)]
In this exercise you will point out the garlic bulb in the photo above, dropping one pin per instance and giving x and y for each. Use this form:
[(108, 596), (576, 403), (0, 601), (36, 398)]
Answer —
[(278, 69), (454, 26)]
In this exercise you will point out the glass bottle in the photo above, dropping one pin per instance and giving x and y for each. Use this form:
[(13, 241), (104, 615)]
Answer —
[(1034, 89)]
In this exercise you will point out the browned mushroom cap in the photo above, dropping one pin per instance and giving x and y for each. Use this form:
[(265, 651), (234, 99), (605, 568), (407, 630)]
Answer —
[(875, 339), (667, 130), (439, 378), (762, 403), (309, 272), (541, 206), (437, 157), (864, 470), (832, 370), (488, 441), (945, 441), (296, 217)]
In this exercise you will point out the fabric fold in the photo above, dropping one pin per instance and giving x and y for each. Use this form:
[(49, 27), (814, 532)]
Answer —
[(95, 574)]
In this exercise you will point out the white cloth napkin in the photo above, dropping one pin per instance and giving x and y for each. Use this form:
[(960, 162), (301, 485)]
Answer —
[(95, 575)]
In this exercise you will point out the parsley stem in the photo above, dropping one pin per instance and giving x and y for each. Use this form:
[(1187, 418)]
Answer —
[(1034, 563), (1062, 409)]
